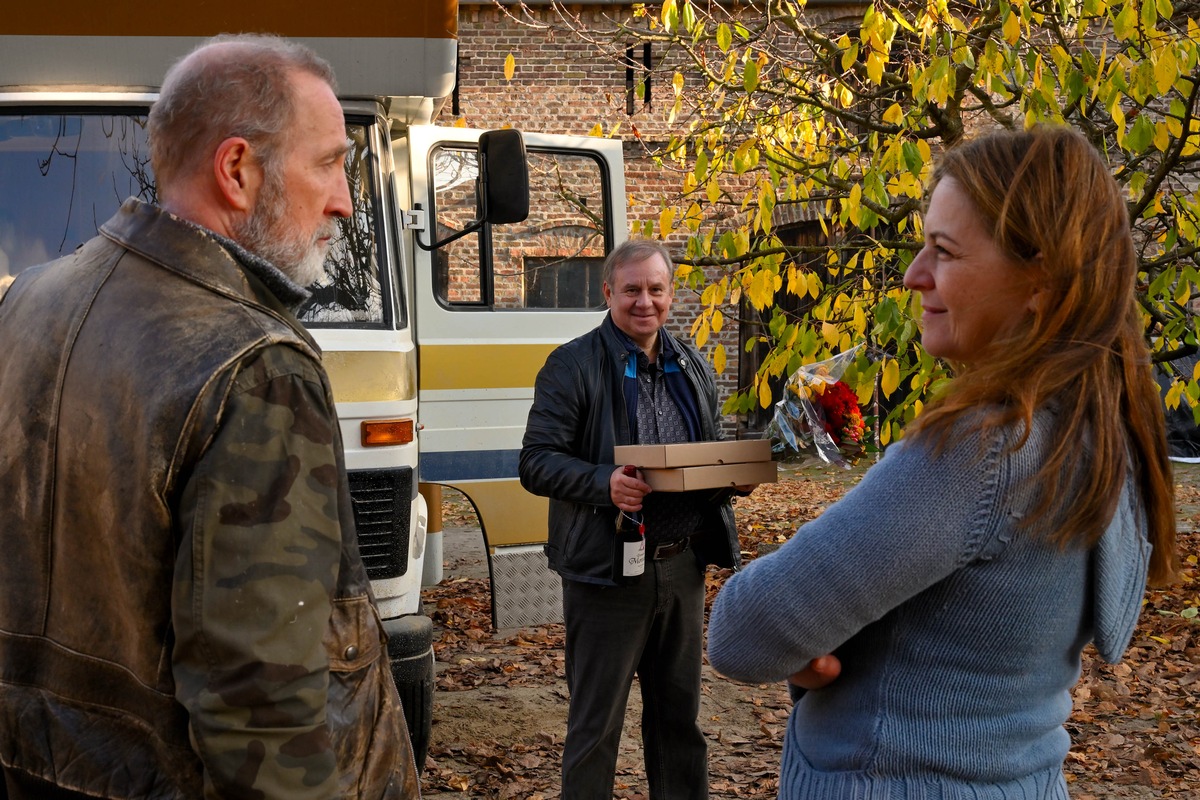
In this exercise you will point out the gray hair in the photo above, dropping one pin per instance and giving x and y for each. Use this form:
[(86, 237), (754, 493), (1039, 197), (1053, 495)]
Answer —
[(231, 85), (635, 251)]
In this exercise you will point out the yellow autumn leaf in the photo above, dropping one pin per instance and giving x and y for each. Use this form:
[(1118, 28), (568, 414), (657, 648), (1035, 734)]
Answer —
[(875, 67), (854, 204), (925, 149), (1118, 115), (761, 289), (1183, 292), (721, 289), (764, 395), (666, 222), (889, 379), (1174, 395), (1166, 69), (702, 334), (719, 358), (830, 334), (1012, 28), (712, 191), (718, 321), (597, 130), (894, 115), (510, 67), (814, 285)]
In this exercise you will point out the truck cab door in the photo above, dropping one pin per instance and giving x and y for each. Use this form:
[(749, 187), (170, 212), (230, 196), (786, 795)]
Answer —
[(488, 309)]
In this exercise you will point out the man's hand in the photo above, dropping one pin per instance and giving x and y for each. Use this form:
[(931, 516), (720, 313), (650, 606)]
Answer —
[(819, 673), (627, 491)]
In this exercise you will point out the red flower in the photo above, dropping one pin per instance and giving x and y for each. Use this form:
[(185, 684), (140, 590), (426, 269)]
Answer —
[(843, 418)]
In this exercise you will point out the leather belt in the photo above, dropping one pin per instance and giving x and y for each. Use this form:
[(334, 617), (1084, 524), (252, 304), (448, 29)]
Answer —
[(669, 549)]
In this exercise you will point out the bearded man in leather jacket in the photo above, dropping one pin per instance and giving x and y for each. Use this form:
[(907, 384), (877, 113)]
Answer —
[(183, 609), (629, 381)]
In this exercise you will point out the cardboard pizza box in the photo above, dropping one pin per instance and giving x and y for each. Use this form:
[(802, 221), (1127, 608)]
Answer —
[(686, 479), (693, 454)]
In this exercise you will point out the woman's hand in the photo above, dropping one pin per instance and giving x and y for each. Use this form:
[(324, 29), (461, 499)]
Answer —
[(819, 673)]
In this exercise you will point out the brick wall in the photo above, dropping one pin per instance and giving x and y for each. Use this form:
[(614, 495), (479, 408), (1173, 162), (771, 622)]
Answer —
[(562, 84)]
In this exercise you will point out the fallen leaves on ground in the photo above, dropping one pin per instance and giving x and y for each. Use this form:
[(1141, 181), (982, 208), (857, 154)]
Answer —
[(1135, 724)]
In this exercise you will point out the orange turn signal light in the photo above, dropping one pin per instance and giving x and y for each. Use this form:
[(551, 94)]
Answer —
[(384, 432)]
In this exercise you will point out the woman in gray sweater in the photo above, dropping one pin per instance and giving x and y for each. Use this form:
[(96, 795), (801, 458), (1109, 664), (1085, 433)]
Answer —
[(1016, 522)]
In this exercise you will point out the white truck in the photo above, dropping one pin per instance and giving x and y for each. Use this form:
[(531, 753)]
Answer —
[(434, 319)]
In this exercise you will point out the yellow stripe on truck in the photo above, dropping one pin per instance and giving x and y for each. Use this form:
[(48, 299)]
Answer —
[(481, 366), (358, 376), (410, 19), (511, 515)]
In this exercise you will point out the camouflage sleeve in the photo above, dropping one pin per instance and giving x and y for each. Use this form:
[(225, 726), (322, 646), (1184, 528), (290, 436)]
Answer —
[(257, 565)]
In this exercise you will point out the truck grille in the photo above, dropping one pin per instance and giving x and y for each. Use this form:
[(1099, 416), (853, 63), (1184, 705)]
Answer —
[(382, 504)]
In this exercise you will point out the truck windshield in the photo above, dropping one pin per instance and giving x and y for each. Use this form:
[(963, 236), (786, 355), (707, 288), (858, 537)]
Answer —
[(63, 174)]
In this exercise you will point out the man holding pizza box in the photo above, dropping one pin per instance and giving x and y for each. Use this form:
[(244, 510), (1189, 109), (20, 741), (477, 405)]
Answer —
[(627, 382)]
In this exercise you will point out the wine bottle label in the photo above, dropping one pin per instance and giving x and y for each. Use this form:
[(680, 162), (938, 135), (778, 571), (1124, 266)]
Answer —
[(635, 558)]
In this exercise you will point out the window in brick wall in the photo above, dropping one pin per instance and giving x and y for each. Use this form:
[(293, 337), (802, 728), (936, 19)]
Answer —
[(553, 282), (637, 77)]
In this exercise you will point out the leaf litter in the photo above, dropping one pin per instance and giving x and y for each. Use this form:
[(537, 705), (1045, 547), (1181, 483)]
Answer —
[(500, 708)]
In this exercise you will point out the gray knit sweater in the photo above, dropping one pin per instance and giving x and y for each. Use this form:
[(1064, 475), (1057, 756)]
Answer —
[(959, 633)]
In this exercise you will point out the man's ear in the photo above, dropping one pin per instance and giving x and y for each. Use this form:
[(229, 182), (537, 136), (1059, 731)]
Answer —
[(238, 173)]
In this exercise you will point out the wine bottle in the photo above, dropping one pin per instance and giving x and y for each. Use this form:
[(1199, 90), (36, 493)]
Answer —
[(629, 545)]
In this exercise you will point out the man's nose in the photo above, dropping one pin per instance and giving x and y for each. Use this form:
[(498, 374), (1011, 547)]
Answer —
[(339, 202)]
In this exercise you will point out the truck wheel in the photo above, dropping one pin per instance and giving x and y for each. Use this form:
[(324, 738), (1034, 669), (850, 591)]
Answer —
[(410, 650)]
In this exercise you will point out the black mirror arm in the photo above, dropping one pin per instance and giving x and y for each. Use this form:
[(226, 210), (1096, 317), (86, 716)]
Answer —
[(471, 228)]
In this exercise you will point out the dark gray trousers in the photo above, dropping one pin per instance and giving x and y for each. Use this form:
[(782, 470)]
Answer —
[(654, 628)]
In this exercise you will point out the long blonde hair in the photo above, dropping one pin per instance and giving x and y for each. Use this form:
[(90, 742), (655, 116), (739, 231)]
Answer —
[(1052, 203)]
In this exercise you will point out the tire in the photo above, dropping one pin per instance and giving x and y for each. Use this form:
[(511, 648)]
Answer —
[(410, 650)]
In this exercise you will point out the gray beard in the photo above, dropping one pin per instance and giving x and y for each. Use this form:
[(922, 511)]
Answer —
[(302, 261), (267, 236)]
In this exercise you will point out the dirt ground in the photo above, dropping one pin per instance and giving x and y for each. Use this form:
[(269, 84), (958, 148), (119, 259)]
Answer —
[(500, 709)]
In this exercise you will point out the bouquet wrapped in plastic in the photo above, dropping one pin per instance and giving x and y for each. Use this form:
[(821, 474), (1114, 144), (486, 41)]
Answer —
[(819, 412)]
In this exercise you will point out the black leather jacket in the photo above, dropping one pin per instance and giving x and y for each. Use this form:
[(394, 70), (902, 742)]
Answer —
[(578, 416)]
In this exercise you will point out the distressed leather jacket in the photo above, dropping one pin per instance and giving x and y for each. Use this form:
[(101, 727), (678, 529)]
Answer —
[(578, 416), (183, 609)]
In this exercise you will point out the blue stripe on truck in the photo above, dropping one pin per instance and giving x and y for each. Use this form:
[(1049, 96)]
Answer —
[(468, 465)]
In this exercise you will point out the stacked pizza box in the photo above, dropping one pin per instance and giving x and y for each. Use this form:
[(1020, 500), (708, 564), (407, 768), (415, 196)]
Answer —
[(701, 465)]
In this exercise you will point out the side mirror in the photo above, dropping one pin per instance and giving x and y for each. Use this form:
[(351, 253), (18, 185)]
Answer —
[(503, 177), (502, 186)]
